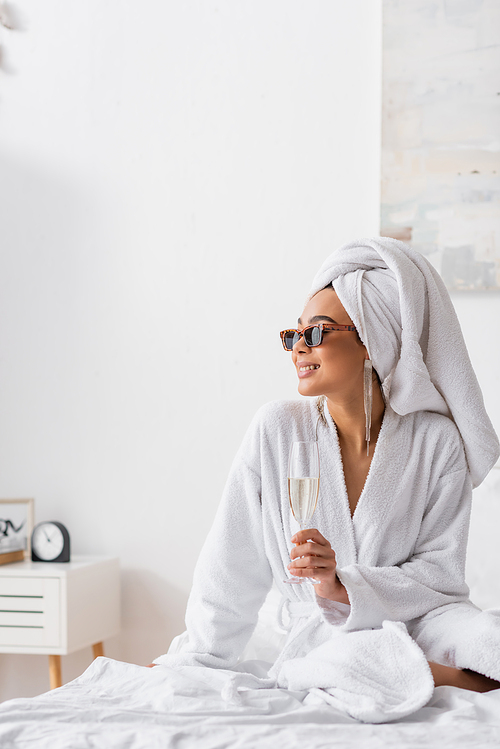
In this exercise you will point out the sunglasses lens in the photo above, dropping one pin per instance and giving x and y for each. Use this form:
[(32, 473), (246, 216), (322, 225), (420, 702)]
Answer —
[(291, 338), (312, 336)]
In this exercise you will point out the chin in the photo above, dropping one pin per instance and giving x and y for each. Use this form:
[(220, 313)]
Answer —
[(308, 391)]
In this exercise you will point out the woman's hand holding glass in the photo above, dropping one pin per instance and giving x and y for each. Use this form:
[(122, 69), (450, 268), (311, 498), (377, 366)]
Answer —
[(303, 488), (313, 557)]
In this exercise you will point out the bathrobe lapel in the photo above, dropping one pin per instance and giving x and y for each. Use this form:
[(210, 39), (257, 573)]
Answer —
[(356, 538), (333, 516)]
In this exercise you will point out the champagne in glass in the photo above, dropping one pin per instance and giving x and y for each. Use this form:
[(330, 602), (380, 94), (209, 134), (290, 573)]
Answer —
[(303, 488), (303, 494)]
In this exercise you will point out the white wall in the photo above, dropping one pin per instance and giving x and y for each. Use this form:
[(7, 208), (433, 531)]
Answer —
[(164, 166)]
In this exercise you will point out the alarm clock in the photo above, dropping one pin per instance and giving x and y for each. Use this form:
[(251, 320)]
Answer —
[(50, 542)]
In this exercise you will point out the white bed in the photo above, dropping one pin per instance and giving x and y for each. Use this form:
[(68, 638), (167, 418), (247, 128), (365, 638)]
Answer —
[(117, 705)]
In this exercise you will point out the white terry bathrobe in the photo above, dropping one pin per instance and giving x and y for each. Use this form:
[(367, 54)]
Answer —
[(401, 556)]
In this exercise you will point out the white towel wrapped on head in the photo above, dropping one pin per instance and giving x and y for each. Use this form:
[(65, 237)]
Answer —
[(405, 318)]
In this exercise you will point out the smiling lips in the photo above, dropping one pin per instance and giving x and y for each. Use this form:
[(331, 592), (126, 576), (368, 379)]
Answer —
[(305, 368)]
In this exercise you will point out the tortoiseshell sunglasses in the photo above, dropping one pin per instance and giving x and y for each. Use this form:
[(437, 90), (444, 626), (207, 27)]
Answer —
[(313, 335)]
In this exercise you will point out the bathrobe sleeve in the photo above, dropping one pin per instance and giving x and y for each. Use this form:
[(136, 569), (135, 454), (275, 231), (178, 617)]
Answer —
[(232, 576), (433, 576)]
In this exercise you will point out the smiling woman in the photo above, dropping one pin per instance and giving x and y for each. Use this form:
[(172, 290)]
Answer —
[(335, 369), (401, 440), (338, 360)]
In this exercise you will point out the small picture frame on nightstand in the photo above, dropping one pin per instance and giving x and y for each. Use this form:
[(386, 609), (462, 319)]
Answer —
[(16, 527)]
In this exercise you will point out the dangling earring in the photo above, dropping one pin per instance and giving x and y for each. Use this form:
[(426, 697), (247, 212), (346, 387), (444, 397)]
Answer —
[(368, 398)]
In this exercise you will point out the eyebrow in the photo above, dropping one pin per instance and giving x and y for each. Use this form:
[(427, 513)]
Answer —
[(317, 318)]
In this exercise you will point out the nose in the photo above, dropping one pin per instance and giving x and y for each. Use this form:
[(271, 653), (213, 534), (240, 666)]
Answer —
[(301, 346)]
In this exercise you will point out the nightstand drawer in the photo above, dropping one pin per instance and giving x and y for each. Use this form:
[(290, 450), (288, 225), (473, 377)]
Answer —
[(29, 612)]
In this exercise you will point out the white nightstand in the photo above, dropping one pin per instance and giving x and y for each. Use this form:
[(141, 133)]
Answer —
[(59, 608)]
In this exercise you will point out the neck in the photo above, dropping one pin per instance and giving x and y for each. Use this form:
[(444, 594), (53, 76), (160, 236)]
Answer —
[(350, 419)]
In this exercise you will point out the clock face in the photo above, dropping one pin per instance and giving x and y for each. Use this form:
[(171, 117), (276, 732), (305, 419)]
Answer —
[(47, 541)]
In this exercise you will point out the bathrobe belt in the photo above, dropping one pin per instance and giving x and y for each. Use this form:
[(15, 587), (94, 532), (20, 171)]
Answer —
[(295, 610)]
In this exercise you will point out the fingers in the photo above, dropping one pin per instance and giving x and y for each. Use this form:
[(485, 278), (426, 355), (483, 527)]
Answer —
[(322, 574), (311, 560), (297, 572), (312, 534), (312, 548), (324, 560), (309, 548), (312, 556)]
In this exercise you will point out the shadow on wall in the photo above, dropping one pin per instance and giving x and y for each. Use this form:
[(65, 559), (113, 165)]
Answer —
[(152, 614)]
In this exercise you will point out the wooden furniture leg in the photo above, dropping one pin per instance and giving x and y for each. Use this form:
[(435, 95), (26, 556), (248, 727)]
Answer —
[(97, 649), (55, 671)]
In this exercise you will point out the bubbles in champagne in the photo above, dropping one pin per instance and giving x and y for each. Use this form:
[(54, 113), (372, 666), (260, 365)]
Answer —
[(303, 495)]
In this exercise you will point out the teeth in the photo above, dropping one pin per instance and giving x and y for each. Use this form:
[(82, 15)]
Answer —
[(311, 366)]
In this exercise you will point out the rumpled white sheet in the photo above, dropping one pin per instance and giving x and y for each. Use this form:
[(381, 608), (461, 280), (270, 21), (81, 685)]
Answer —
[(115, 705)]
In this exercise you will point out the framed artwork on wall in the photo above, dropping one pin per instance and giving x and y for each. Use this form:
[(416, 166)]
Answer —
[(440, 146), (16, 527)]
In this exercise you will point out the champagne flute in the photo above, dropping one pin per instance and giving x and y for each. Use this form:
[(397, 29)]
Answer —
[(303, 489)]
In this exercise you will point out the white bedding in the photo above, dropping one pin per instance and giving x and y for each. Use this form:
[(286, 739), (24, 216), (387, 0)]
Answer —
[(117, 705)]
